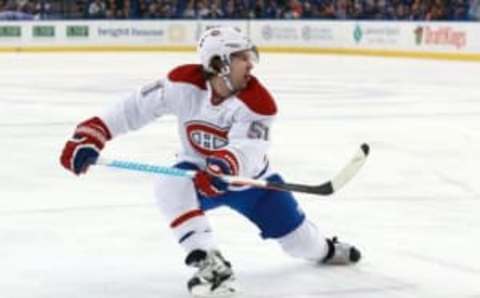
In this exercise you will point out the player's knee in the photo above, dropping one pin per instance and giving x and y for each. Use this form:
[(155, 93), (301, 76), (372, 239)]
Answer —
[(304, 242), (175, 196), (277, 214)]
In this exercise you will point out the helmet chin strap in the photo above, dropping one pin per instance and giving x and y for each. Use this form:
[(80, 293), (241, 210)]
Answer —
[(228, 83), (224, 74)]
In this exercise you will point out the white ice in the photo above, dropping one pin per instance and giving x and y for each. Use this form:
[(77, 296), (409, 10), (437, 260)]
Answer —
[(413, 209)]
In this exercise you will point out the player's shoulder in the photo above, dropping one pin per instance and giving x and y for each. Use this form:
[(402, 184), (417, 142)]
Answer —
[(189, 74), (257, 98)]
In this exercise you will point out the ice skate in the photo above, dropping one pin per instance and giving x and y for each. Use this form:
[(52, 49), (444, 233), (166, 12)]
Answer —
[(341, 253), (214, 277)]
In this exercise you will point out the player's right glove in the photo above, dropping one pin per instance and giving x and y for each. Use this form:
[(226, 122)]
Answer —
[(83, 149), (208, 182)]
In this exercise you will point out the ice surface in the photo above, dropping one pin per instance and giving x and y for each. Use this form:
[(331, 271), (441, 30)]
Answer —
[(413, 209)]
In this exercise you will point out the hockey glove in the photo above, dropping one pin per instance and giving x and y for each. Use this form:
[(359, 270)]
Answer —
[(83, 148), (208, 182)]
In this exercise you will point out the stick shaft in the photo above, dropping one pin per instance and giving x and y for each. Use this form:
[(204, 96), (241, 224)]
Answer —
[(170, 171), (143, 167)]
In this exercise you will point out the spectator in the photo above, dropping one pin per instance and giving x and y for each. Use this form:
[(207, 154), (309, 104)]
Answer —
[(259, 9), (327, 10), (381, 7), (293, 10), (120, 9), (457, 11), (436, 11), (474, 11), (215, 10), (229, 11), (372, 9), (308, 10), (154, 10), (42, 10), (97, 9), (400, 12), (296, 9), (167, 9), (341, 9), (356, 11), (75, 10), (13, 10), (189, 11), (202, 9), (389, 13), (25, 7), (272, 10)]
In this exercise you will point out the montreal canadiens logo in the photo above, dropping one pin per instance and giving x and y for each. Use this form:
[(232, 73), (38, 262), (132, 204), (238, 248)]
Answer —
[(205, 137)]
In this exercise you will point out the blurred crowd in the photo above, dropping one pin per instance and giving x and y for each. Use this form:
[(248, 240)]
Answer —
[(241, 9)]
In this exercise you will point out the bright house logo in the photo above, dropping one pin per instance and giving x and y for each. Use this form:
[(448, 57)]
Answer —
[(442, 36)]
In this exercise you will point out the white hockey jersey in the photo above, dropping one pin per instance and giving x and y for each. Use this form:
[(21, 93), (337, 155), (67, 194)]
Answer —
[(239, 126)]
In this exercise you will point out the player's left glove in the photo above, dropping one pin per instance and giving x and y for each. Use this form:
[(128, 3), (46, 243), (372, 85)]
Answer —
[(84, 147), (208, 182)]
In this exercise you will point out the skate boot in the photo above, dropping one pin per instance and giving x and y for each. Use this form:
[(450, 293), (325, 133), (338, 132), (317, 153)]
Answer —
[(214, 277), (340, 253)]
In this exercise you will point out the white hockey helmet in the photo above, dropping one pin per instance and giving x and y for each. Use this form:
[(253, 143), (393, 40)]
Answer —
[(222, 42)]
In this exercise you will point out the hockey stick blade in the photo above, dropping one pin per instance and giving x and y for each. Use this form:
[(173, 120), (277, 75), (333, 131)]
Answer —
[(329, 187)]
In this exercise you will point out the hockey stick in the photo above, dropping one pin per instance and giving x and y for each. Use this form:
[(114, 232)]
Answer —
[(327, 188)]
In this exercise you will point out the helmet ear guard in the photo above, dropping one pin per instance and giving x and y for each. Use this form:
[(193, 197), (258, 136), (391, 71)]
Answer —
[(219, 65), (216, 64)]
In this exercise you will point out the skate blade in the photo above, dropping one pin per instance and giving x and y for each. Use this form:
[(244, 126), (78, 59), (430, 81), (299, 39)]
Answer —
[(220, 292)]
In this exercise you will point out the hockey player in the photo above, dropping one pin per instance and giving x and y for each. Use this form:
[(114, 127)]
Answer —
[(224, 121)]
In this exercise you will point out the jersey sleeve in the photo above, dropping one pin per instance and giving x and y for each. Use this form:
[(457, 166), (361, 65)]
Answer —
[(140, 107)]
